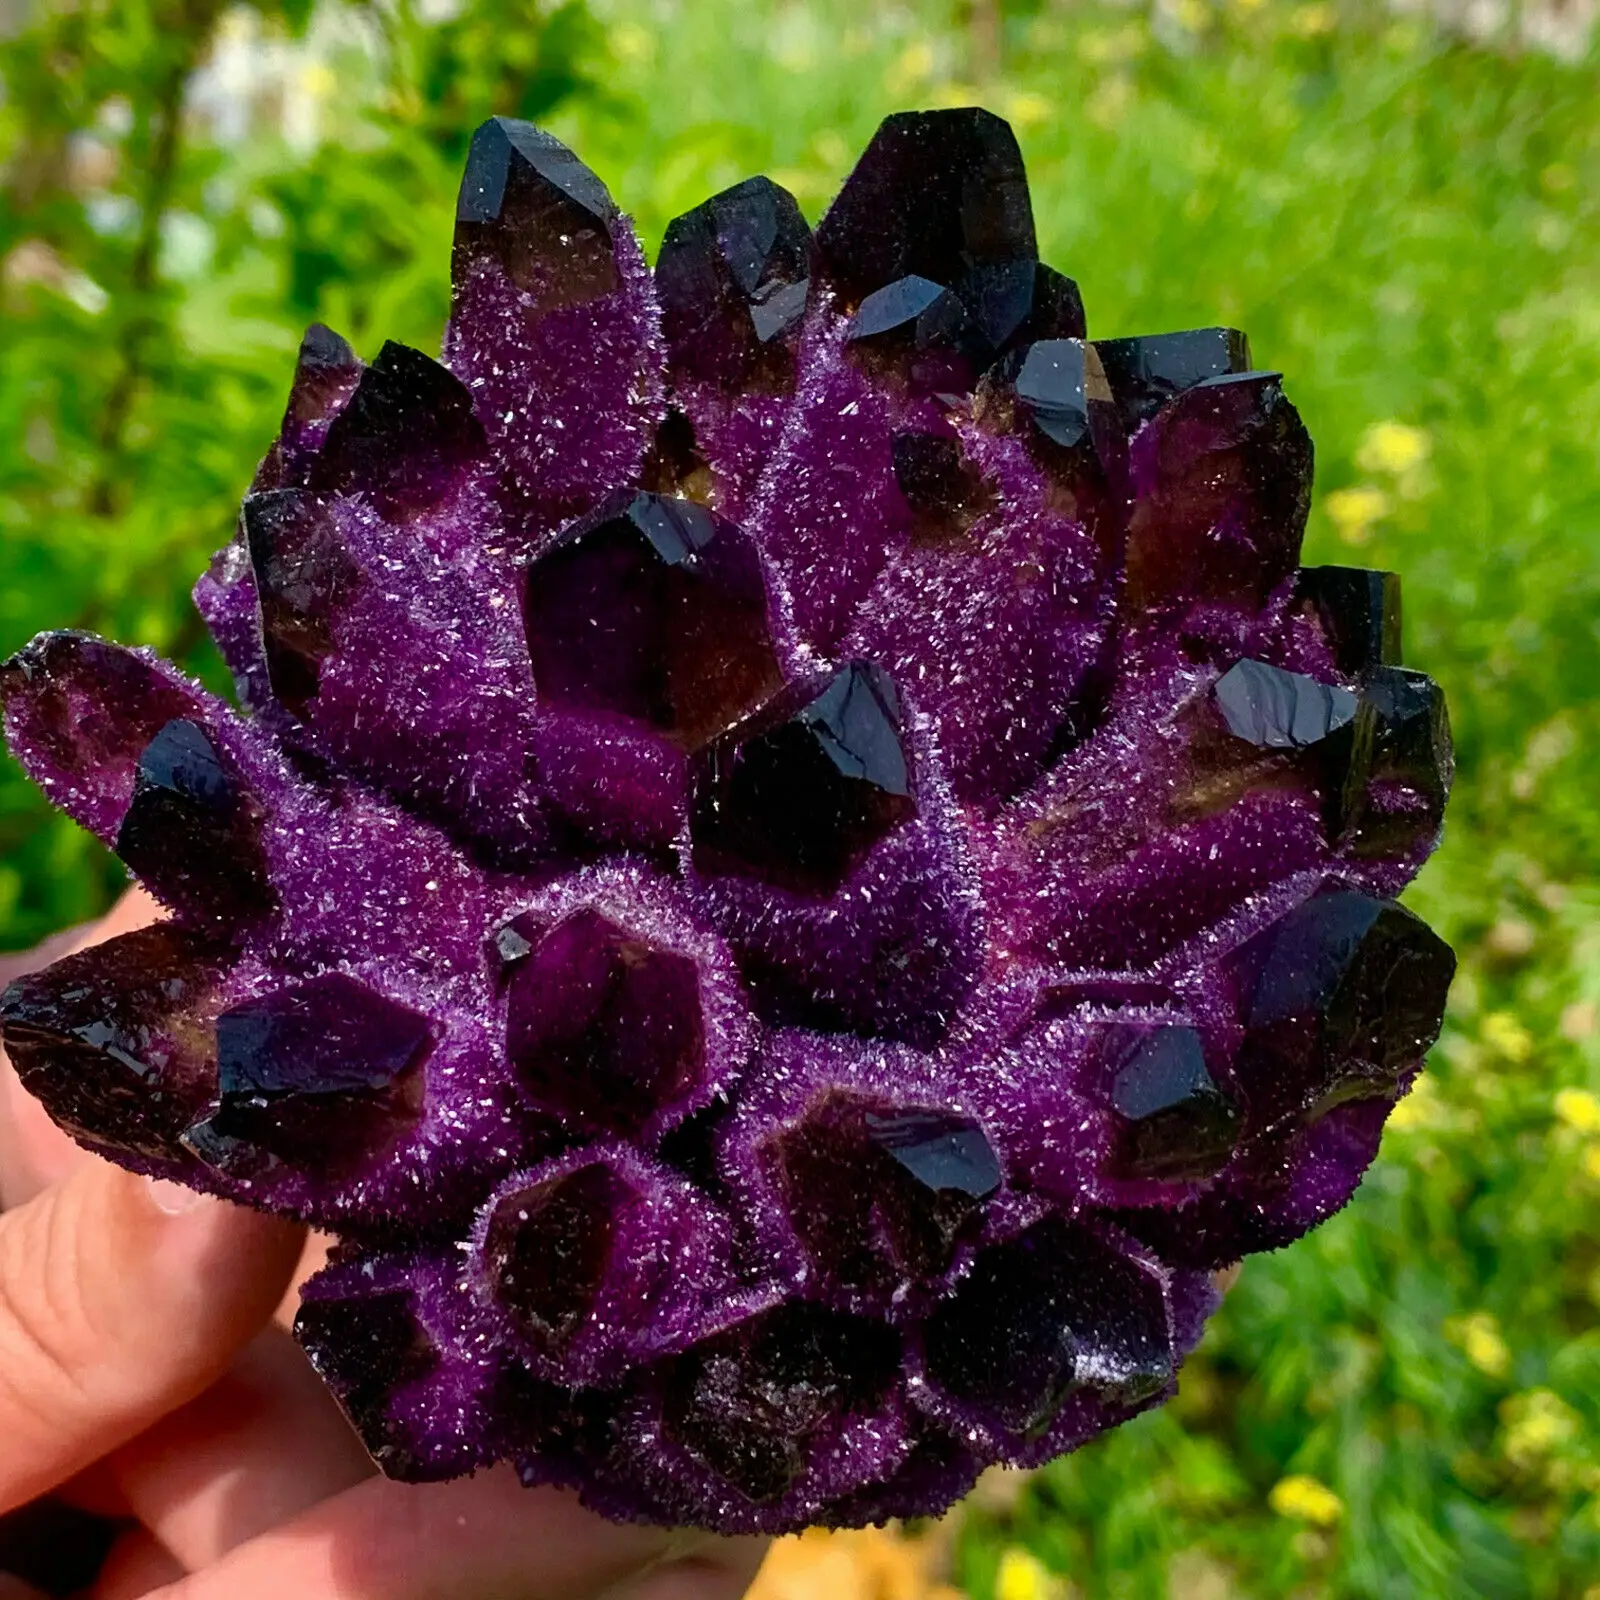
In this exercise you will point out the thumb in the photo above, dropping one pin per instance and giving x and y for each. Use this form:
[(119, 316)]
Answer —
[(120, 1299)]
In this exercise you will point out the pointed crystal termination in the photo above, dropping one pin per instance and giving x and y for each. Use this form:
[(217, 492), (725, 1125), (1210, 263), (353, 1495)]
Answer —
[(802, 792), (325, 376), (326, 1072), (1278, 710), (1042, 1316), (913, 311), (1146, 372), (603, 1030), (1017, 303), (1221, 481), (304, 578), (1359, 612), (367, 1348), (79, 712), (1341, 998), (918, 330), (548, 1250), (945, 493), (1174, 1123), (192, 833), (654, 609), (530, 205), (936, 194), (407, 438), (1054, 393), (856, 1173), (1060, 384), (114, 1042), (751, 1404), (733, 277), (1399, 780)]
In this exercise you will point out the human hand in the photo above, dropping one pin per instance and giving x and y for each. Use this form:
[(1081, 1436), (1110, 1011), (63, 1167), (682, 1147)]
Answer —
[(142, 1378)]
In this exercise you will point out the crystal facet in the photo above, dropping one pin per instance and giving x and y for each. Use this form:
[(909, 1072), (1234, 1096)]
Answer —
[(602, 1030), (531, 206), (655, 609), (327, 1070), (1146, 372), (804, 863), (733, 276), (803, 792), (405, 439), (1278, 710), (192, 832)]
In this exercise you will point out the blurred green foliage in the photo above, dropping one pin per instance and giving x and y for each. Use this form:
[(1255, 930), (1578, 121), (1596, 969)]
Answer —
[(1406, 1404)]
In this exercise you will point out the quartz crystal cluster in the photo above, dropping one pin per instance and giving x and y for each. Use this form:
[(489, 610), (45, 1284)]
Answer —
[(802, 863)]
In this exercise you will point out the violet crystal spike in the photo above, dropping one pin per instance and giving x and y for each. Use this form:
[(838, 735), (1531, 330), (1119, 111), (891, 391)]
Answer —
[(807, 862)]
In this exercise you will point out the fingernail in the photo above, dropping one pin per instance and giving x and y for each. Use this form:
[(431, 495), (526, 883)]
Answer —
[(173, 1198)]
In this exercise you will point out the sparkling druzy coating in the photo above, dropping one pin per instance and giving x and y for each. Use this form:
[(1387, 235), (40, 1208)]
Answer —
[(804, 863)]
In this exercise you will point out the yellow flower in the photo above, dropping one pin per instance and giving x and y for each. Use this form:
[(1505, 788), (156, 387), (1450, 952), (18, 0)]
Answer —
[(1023, 1577), (1393, 447), (1503, 1033), (1591, 1162), (1314, 22), (913, 67), (1579, 1109), (1027, 110), (1353, 511), (1536, 1424), (1479, 1336), (1306, 1499)]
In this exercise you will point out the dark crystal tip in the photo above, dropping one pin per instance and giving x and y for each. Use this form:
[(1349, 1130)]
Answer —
[(933, 194), (800, 794)]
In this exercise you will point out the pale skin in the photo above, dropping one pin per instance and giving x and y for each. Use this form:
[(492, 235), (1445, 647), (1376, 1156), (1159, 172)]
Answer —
[(146, 1373)]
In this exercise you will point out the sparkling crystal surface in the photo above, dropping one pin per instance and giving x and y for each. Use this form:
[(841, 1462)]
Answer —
[(803, 858)]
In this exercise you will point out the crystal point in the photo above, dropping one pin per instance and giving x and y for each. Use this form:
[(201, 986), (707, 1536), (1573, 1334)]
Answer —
[(191, 830), (1174, 1122), (114, 1040), (1359, 611), (804, 791), (734, 277), (407, 437), (655, 609), (531, 206), (935, 193), (1342, 996), (603, 1030), (752, 1403), (1146, 372), (548, 1250), (327, 1069), (304, 577)]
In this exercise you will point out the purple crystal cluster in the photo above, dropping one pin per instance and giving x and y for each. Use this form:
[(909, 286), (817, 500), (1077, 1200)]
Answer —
[(804, 863)]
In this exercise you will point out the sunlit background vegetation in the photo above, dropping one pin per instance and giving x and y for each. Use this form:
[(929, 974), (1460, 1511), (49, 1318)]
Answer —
[(1401, 205)]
